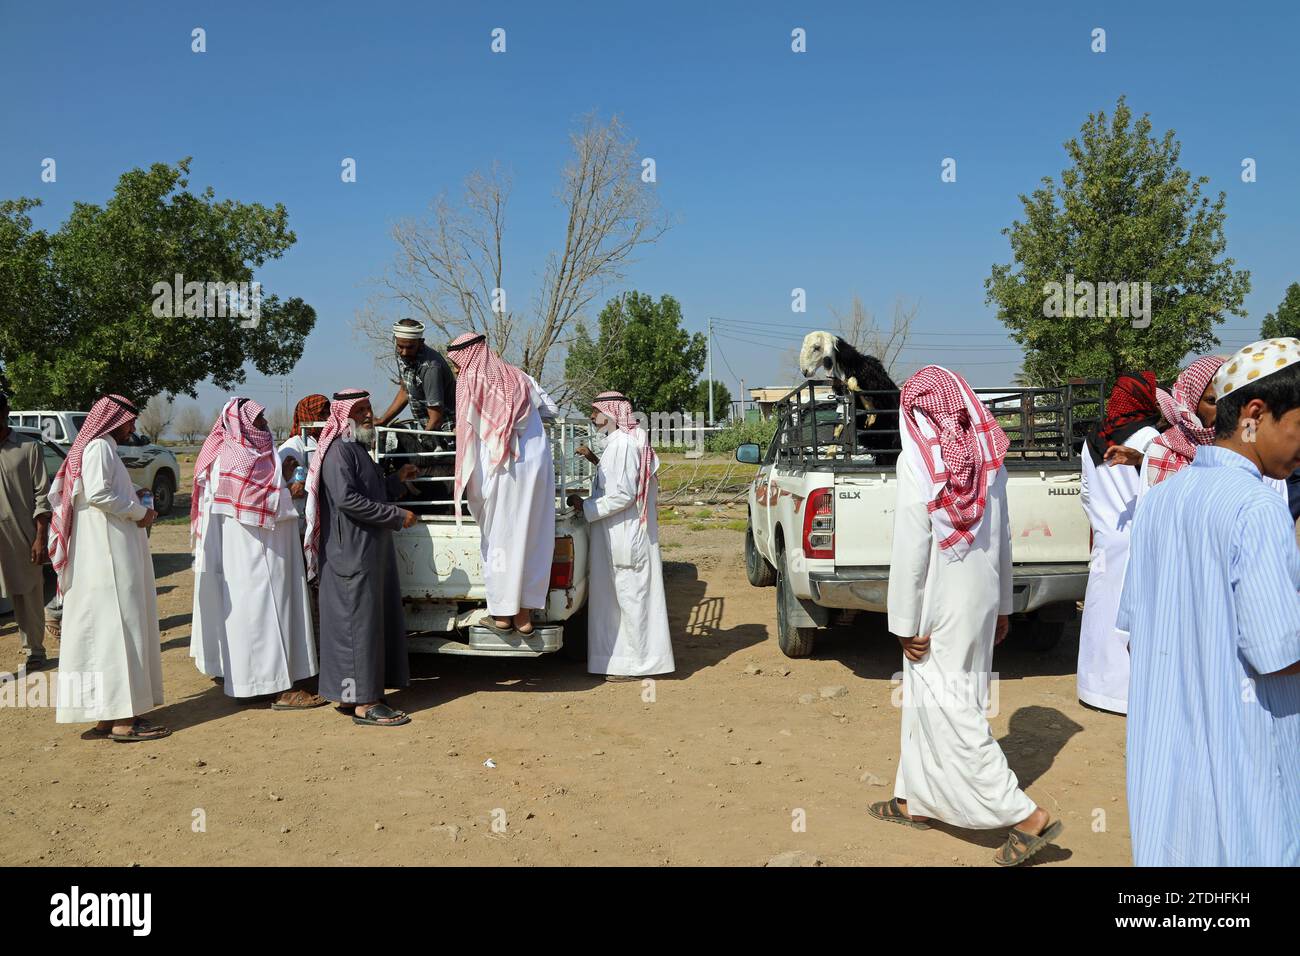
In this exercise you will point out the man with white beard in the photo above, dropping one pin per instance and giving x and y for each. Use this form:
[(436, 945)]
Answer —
[(349, 545), (252, 616), (628, 634)]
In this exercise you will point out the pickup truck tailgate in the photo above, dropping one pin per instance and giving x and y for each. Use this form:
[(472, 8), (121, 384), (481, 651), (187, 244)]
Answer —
[(1048, 523)]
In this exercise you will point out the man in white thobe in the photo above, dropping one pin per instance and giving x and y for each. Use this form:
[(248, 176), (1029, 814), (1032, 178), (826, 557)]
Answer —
[(1112, 455), (949, 598), (110, 659), (252, 615), (628, 634), (504, 466)]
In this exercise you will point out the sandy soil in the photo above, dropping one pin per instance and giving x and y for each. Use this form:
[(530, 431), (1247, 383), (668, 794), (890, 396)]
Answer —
[(720, 768)]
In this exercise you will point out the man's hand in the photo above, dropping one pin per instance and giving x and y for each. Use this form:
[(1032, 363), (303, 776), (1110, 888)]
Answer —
[(408, 472), (297, 489), (914, 648), (1000, 631), (148, 519), (574, 501), (588, 454), (40, 547), (1122, 455), (408, 518), (289, 467)]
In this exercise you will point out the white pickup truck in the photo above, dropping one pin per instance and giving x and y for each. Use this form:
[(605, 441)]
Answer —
[(821, 509), (439, 561)]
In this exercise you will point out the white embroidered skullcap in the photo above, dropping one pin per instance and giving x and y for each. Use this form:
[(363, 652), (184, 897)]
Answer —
[(408, 329)]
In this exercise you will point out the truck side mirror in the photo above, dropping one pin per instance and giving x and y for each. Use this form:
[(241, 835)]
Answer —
[(748, 454)]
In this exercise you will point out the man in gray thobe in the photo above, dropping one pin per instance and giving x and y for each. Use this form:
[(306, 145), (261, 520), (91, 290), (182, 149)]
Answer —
[(363, 629), (24, 532)]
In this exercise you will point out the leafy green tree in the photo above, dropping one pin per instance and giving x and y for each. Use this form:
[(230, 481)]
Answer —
[(1285, 322), (640, 350), (77, 306), (721, 399), (1123, 212)]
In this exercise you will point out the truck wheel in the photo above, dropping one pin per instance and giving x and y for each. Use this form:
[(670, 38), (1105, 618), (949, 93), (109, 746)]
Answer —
[(574, 647), (793, 641), (164, 492), (1039, 635), (757, 570)]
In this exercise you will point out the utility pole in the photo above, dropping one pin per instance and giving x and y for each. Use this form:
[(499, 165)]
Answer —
[(710, 354)]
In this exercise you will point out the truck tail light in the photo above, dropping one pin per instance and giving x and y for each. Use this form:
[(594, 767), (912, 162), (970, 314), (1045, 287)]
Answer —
[(819, 524), (562, 564)]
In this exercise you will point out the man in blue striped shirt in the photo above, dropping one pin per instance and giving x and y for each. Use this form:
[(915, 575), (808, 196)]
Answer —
[(1212, 608)]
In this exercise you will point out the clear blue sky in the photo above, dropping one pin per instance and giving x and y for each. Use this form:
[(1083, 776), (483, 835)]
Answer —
[(818, 170)]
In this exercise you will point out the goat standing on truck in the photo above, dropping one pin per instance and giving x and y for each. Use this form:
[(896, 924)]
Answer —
[(505, 468), (949, 597), (628, 635), (349, 544)]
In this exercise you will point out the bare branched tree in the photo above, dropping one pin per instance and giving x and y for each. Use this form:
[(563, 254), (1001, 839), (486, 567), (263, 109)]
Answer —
[(156, 416), (277, 419), (860, 329), (450, 273), (189, 423)]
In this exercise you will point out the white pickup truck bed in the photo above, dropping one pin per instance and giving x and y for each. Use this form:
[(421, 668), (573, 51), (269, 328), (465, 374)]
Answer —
[(440, 567)]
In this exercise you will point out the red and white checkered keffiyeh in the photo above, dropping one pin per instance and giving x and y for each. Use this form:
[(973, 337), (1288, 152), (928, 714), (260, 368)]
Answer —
[(107, 415), (338, 425), (248, 475), (618, 408), (493, 400), (957, 445), (1177, 444)]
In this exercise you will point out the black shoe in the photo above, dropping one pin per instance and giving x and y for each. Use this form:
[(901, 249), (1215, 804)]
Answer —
[(36, 664)]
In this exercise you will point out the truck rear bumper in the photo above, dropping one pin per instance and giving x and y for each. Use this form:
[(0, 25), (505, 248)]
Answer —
[(484, 642), (867, 589)]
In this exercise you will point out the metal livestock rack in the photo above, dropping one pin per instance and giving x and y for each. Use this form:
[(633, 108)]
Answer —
[(827, 431)]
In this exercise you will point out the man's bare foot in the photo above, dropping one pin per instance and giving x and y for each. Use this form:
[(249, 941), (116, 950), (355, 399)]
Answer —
[(361, 710), (1035, 823), (902, 805), (523, 621)]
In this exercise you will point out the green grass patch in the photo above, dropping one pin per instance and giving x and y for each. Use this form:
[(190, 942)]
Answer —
[(736, 525), (700, 526)]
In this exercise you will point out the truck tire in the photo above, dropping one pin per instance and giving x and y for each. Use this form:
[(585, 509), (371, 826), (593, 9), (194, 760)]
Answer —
[(574, 647), (793, 641), (164, 492), (757, 569), (1042, 636)]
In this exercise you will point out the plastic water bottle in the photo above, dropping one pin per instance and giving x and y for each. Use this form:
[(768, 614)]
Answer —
[(146, 499), (300, 474)]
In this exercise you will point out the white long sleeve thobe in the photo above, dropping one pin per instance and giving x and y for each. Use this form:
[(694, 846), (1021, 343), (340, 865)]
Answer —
[(951, 768), (514, 506), (627, 614), (252, 613), (110, 659), (1109, 496)]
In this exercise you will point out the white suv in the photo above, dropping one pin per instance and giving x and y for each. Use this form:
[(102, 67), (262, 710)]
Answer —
[(150, 466)]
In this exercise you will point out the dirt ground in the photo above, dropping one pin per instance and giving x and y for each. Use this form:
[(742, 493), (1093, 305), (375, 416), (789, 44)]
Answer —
[(726, 765)]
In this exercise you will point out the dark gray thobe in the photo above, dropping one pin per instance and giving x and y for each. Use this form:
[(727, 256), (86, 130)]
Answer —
[(362, 627)]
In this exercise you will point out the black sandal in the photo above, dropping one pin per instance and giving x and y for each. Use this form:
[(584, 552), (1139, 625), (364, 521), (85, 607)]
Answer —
[(141, 729), (891, 812), (1020, 846), (381, 715)]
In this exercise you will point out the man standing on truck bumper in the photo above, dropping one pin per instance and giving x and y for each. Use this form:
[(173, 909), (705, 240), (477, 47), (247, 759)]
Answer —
[(349, 544), (628, 618), (504, 466), (949, 597)]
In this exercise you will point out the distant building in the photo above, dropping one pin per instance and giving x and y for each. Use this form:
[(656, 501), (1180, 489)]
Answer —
[(766, 396)]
